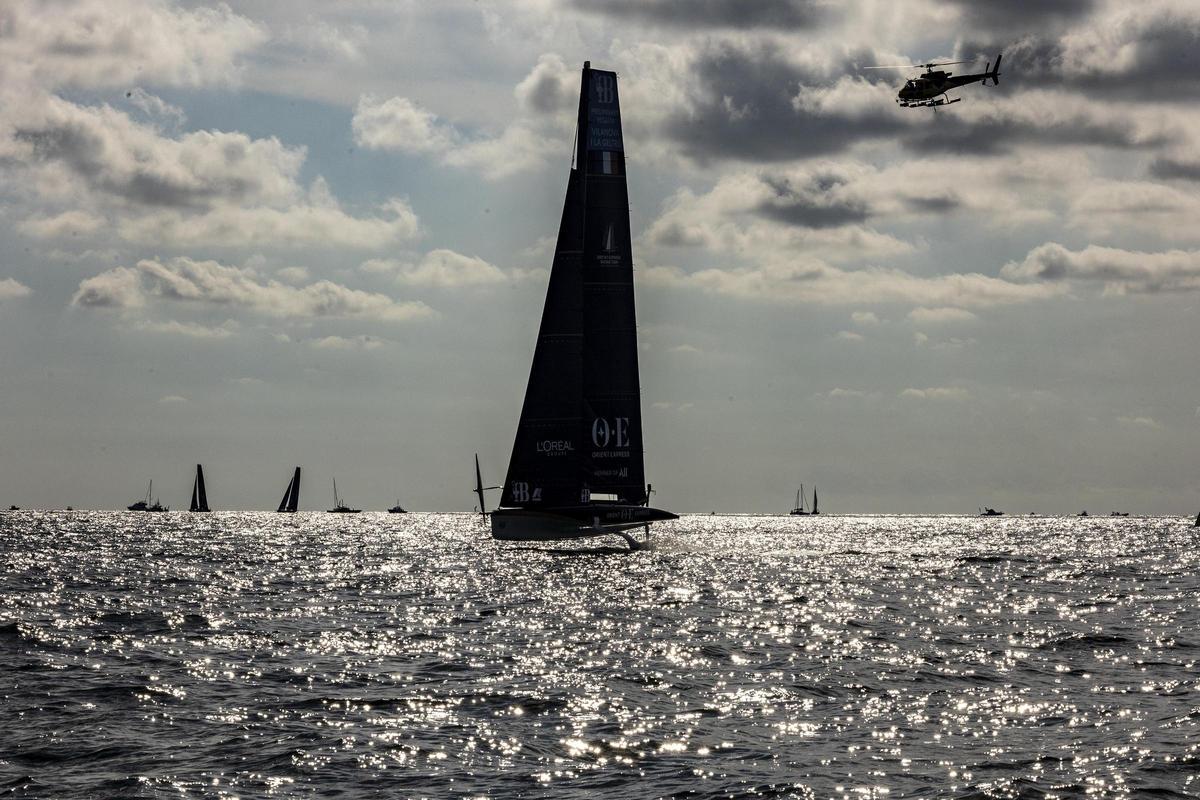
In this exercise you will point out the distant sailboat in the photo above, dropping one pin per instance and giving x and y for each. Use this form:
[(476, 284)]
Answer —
[(815, 512), (338, 506), (480, 489), (577, 465), (1083, 513), (199, 496), (147, 505), (990, 512), (291, 495), (799, 510), (396, 509)]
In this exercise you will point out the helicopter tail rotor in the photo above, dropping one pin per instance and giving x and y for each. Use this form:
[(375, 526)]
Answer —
[(994, 74)]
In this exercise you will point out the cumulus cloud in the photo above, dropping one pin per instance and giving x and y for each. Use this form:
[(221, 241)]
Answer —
[(201, 188), (299, 226), (68, 223), (1120, 271), (97, 43), (189, 329), (213, 284), (119, 287), (948, 393), (550, 87), (937, 316), (822, 284), (442, 268), (347, 343), (1140, 422), (10, 288), (864, 318), (400, 124)]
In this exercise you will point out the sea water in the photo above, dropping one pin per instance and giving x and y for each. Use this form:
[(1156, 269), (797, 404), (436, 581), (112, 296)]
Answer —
[(374, 655)]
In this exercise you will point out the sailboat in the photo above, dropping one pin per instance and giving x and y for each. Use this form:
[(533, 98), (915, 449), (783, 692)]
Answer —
[(577, 466), (147, 505), (397, 509), (199, 496), (291, 495), (815, 512), (340, 507), (799, 510)]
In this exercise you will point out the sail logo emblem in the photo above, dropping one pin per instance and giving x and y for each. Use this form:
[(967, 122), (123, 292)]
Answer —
[(521, 493), (616, 432), (606, 88)]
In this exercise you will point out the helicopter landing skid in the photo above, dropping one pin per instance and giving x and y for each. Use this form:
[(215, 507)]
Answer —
[(928, 103)]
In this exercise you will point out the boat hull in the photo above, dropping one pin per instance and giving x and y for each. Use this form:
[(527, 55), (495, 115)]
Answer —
[(525, 525)]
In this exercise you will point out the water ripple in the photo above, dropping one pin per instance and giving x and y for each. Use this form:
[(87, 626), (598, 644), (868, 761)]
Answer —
[(244, 654)]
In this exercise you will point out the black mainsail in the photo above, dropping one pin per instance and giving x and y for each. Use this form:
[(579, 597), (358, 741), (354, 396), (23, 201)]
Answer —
[(291, 495), (578, 451), (199, 496)]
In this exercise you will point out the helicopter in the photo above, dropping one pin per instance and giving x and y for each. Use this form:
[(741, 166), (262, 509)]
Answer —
[(929, 90)]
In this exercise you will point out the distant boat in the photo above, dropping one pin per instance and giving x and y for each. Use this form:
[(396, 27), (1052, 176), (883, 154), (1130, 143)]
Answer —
[(990, 512), (1197, 523), (815, 512), (291, 495), (338, 506), (799, 510), (1118, 513), (18, 508), (396, 509), (1083, 513), (577, 466), (146, 505), (199, 496)]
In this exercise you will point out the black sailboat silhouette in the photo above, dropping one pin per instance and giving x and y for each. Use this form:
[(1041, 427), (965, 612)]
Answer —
[(577, 464), (291, 495), (199, 496)]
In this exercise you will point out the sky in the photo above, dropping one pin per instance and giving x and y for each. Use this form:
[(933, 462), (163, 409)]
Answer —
[(254, 235)]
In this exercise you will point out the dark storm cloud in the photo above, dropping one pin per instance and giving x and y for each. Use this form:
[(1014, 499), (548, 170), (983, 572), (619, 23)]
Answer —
[(742, 107), (1172, 169), (994, 135), (736, 14), (1010, 14), (811, 205), (1159, 60), (936, 204)]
